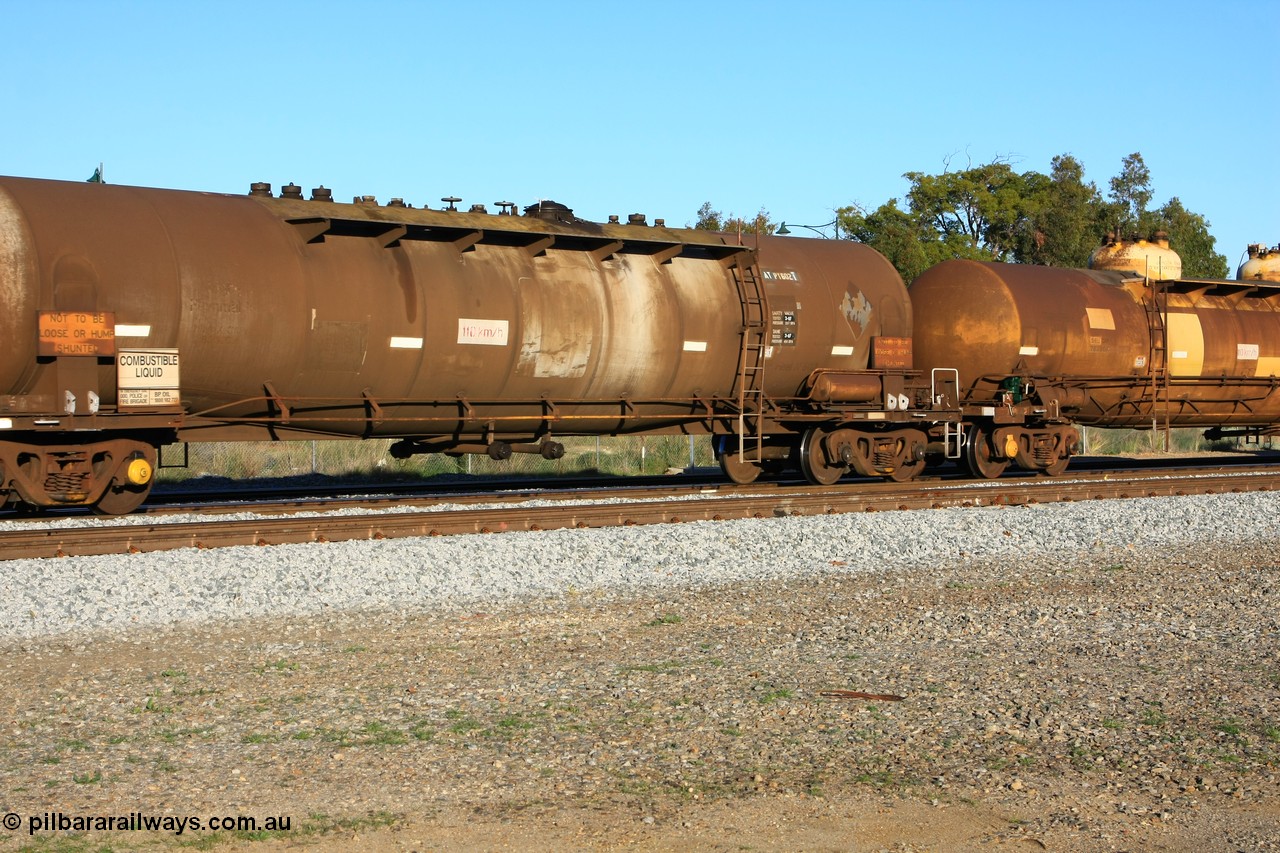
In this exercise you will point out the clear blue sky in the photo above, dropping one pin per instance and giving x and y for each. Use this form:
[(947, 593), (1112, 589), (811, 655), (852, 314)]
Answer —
[(654, 107)]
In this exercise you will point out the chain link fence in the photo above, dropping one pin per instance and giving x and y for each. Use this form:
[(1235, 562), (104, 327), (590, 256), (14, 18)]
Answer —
[(632, 455), (1096, 441)]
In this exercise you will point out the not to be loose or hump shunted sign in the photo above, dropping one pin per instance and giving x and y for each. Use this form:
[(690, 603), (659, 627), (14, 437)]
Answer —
[(71, 333)]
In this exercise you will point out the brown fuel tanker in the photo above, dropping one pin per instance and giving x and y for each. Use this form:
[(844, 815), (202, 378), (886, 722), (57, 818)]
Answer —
[(1105, 347), (133, 317)]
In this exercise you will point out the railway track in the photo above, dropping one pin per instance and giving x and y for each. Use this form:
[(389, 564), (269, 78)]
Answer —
[(557, 509), (278, 497)]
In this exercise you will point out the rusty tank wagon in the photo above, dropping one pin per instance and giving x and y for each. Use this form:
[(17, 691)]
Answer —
[(136, 317), (1043, 350)]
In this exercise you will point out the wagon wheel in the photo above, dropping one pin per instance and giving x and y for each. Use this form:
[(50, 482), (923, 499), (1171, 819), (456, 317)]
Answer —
[(977, 457), (130, 487), (121, 500), (907, 467), (813, 462), (739, 470), (1059, 465), (906, 471)]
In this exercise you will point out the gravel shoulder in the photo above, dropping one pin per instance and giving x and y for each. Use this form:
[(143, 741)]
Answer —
[(1102, 697)]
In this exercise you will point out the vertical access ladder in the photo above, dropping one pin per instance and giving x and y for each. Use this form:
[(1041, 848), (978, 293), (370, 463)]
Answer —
[(745, 267), (1158, 361)]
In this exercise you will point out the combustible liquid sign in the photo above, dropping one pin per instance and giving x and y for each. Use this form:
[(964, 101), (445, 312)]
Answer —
[(146, 378), (76, 333)]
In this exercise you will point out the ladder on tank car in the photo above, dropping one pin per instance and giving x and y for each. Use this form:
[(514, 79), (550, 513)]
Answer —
[(1158, 358), (751, 359)]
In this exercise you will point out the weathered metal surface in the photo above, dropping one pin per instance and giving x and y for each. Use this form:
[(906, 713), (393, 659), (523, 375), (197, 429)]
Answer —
[(1263, 264), (360, 319), (1092, 339), (986, 318), (112, 472), (1151, 259), (847, 387)]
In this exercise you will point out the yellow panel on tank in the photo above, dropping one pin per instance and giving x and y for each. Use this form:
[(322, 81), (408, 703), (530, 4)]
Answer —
[(1186, 344)]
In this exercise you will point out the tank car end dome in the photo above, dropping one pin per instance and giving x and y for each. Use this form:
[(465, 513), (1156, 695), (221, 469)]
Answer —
[(1263, 264), (1150, 258)]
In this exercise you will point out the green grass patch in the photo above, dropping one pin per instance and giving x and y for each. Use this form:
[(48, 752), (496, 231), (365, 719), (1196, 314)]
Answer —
[(775, 695), (465, 725), (379, 734)]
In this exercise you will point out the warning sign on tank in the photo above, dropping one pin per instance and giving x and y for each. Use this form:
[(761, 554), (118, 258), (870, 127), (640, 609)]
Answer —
[(891, 353), (76, 333), (782, 329), (146, 378)]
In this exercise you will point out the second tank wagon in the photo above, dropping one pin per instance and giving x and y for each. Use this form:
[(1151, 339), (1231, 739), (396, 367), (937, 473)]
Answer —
[(1109, 348)]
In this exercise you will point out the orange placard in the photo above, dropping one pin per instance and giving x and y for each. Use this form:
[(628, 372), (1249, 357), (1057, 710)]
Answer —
[(77, 333), (890, 353)]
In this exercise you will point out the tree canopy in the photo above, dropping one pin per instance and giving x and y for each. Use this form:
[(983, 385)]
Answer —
[(993, 212), (710, 219), (1188, 232)]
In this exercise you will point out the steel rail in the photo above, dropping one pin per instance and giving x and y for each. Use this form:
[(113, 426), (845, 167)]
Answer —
[(631, 487), (220, 533)]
